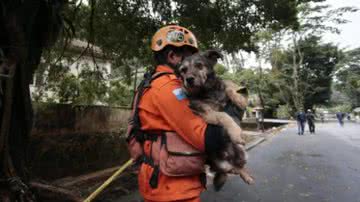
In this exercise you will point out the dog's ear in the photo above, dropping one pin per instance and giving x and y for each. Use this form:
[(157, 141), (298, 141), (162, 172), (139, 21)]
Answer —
[(212, 56), (243, 91)]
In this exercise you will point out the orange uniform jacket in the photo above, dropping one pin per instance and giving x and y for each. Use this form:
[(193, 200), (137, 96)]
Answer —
[(164, 106)]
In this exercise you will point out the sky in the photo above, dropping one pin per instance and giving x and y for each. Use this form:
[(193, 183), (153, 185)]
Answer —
[(350, 32)]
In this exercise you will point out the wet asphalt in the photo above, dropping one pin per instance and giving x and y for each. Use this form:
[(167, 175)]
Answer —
[(324, 166)]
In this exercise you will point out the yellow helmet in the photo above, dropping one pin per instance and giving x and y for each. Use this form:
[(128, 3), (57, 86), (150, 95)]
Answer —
[(173, 35)]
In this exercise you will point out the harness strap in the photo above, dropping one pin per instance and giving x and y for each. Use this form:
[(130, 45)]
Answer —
[(145, 84), (154, 179), (134, 120), (151, 137), (147, 159), (142, 136)]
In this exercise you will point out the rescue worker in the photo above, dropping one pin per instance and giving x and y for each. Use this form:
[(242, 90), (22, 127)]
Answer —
[(322, 117), (301, 119), (340, 118), (310, 118), (164, 107)]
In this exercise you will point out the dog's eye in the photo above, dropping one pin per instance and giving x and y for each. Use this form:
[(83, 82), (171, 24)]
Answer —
[(199, 66), (183, 70)]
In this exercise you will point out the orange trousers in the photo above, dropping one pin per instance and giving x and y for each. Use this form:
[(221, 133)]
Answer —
[(197, 199)]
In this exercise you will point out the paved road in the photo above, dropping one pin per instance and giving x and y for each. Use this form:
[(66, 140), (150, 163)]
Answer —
[(288, 167)]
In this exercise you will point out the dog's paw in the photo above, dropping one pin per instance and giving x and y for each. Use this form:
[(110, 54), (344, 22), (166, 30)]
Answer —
[(241, 141), (246, 176), (236, 138), (249, 180)]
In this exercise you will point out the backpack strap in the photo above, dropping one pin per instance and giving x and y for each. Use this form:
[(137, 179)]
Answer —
[(135, 123), (145, 84)]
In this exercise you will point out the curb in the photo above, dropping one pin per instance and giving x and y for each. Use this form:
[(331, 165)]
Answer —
[(254, 143), (259, 140)]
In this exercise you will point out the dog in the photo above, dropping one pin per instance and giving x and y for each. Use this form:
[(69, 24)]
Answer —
[(214, 99)]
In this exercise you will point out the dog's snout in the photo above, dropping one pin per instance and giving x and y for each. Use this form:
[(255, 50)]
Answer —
[(190, 80)]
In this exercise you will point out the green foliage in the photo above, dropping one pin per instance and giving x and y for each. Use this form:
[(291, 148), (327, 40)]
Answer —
[(68, 89), (221, 23), (283, 112), (317, 70), (302, 74), (92, 88), (123, 30), (274, 88), (119, 94), (220, 69), (338, 97), (262, 85), (315, 19), (348, 76), (346, 108)]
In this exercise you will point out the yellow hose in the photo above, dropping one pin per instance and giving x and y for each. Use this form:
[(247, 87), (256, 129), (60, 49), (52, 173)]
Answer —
[(108, 181)]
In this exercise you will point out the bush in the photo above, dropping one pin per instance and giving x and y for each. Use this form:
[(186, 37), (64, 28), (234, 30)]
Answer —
[(283, 112), (341, 108)]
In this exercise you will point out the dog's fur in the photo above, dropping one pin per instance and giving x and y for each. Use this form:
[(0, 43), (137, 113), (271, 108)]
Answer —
[(210, 97)]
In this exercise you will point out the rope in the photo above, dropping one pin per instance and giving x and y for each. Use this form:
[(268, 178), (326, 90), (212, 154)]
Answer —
[(108, 181)]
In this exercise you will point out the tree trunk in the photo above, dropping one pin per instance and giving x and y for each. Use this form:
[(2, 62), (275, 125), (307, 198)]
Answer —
[(135, 79), (26, 27), (297, 97), (258, 89)]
